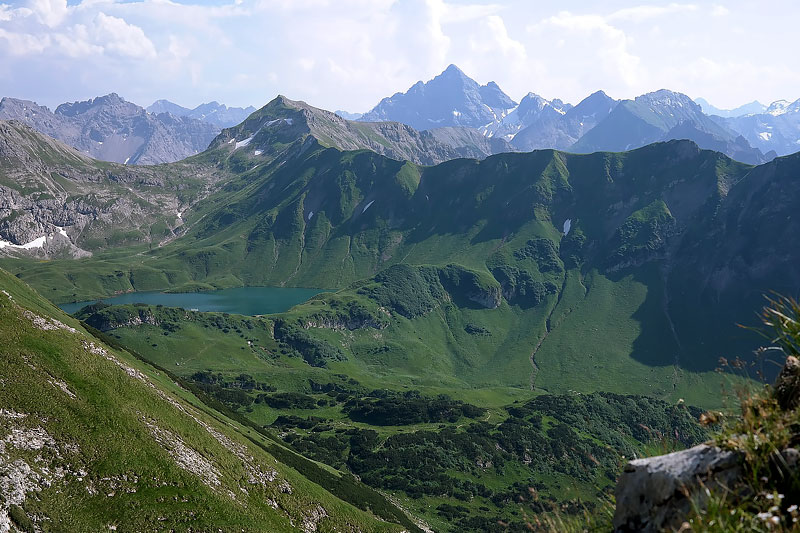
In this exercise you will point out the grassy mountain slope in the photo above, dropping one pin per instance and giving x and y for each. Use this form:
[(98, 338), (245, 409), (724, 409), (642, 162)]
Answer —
[(94, 439), (637, 220)]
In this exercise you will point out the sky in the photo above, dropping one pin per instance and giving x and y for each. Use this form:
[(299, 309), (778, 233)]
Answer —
[(348, 54)]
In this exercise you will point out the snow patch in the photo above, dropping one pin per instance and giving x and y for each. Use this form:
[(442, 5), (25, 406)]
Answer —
[(231, 141), (765, 135), (126, 161), (35, 243), (310, 214), (258, 152), (567, 226), (367, 206), (61, 231), (242, 144)]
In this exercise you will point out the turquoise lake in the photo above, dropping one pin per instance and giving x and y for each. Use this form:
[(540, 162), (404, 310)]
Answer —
[(242, 300)]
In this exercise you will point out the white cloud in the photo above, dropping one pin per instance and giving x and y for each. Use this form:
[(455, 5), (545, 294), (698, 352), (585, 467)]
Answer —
[(20, 44), (76, 42), (117, 36), (597, 49), (641, 13), (719, 10), (49, 12), (348, 54)]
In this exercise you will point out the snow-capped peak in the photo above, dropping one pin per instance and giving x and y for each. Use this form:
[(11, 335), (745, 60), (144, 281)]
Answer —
[(779, 107)]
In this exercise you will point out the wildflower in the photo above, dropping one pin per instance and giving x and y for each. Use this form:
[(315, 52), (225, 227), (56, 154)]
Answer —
[(774, 509), (775, 520), (770, 496), (792, 508), (764, 516)]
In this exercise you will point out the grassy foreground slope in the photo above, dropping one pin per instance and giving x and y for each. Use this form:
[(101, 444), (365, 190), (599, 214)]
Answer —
[(93, 439)]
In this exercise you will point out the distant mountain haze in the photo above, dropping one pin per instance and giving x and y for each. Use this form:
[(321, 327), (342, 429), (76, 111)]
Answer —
[(212, 112), (752, 108), (111, 129), (447, 117), (597, 123), (660, 116)]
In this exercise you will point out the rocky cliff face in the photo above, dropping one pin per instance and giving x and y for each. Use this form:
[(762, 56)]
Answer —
[(111, 129), (55, 201)]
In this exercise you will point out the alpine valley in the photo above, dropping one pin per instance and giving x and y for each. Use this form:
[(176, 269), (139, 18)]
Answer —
[(502, 322)]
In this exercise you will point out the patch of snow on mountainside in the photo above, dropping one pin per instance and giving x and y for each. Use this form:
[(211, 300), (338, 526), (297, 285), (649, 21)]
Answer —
[(765, 135), (35, 243), (242, 144), (778, 107), (567, 226)]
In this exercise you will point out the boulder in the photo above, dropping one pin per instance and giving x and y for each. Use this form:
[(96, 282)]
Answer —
[(787, 386), (657, 493)]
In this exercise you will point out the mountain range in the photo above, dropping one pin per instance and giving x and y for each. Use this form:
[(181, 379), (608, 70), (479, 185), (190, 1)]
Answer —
[(487, 316), (214, 113), (444, 118), (777, 128), (753, 108), (596, 123), (112, 129), (298, 198)]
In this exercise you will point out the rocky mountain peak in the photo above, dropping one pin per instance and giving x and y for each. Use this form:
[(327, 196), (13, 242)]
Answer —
[(110, 100), (450, 99), (667, 98)]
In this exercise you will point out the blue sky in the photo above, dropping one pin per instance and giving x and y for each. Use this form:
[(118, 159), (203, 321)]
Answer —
[(347, 54)]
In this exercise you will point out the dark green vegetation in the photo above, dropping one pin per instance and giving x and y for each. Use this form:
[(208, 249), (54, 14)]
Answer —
[(462, 458), (93, 437)]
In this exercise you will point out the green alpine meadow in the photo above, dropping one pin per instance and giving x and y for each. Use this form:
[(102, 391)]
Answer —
[(456, 311)]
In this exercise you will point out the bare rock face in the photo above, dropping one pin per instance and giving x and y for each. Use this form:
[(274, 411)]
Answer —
[(656, 493), (787, 386)]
